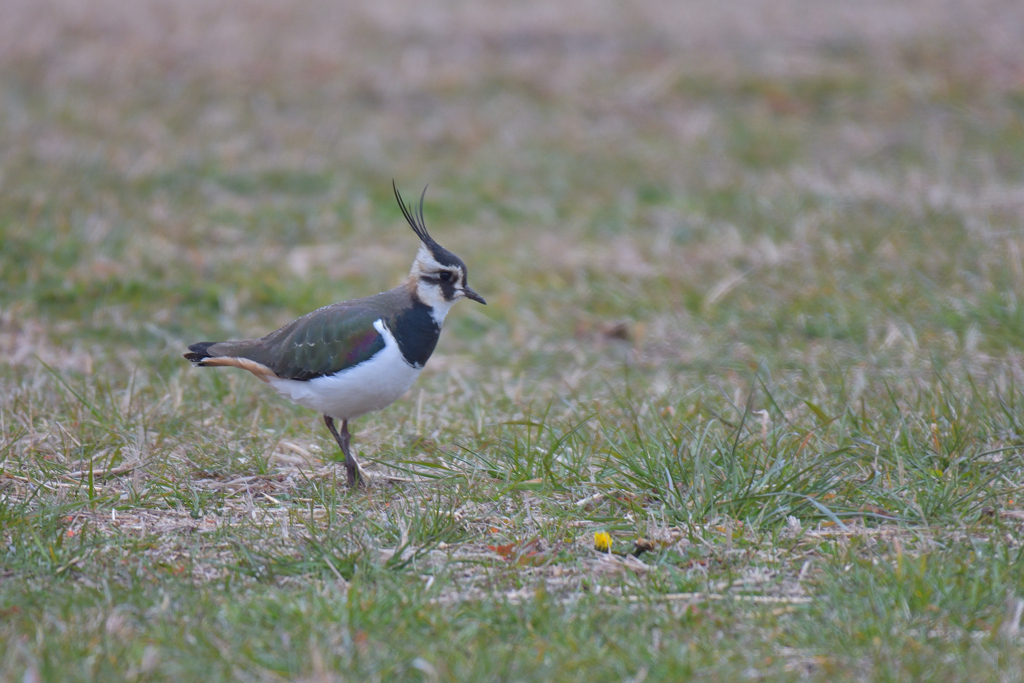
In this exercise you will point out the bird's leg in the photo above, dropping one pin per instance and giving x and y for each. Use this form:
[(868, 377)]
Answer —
[(352, 469), (353, 472)]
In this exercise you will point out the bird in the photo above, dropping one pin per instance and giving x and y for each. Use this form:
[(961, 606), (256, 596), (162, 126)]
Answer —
[(354, 357)]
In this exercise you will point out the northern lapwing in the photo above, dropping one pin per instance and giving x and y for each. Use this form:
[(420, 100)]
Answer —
[(351, 358)]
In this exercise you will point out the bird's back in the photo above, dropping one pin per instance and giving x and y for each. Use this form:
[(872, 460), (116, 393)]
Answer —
[(325, 341)]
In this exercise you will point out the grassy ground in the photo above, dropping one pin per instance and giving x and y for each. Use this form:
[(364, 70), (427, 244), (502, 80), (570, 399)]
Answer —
[(754, 279)]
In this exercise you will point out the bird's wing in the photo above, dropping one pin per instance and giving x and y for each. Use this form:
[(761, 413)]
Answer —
[(320, 343)]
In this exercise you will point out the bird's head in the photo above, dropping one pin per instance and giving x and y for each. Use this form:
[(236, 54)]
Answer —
[(438, 275)]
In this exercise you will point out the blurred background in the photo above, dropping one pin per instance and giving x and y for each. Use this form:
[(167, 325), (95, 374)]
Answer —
[(694, 186)]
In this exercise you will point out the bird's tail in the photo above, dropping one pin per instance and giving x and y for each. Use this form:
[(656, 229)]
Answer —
[(198, 352), (200, 356)]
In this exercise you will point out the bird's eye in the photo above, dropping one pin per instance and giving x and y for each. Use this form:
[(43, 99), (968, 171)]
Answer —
[(445, 275)]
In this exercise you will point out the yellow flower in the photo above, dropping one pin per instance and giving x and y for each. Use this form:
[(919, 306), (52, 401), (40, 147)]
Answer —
[(603, 541)]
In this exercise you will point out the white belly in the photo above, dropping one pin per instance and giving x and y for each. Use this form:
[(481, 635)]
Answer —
[(372, 385)]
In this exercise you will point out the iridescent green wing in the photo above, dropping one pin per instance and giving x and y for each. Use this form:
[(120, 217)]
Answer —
[(320, 343)]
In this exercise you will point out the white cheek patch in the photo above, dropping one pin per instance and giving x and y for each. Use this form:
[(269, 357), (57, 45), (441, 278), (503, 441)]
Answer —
[(431, 295)]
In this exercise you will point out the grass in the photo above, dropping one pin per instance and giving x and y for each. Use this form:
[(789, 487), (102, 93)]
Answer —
[(753, 311)]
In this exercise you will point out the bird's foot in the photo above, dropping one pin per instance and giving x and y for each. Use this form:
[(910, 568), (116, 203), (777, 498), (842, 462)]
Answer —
[(354, 473)]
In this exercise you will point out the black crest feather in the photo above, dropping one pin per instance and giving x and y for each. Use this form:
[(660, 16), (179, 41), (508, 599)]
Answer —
[(415, 216)]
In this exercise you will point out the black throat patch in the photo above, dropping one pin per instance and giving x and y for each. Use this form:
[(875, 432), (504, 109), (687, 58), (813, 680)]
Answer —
[(416, 333)]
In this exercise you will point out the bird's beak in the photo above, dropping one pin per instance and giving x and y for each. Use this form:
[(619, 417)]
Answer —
[(470, 294)]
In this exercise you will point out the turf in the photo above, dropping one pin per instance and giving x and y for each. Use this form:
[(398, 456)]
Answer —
[(754, 285)]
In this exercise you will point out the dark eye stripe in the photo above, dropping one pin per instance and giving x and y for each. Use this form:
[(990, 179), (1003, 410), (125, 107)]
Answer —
[(447, 288), (437, 280)]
